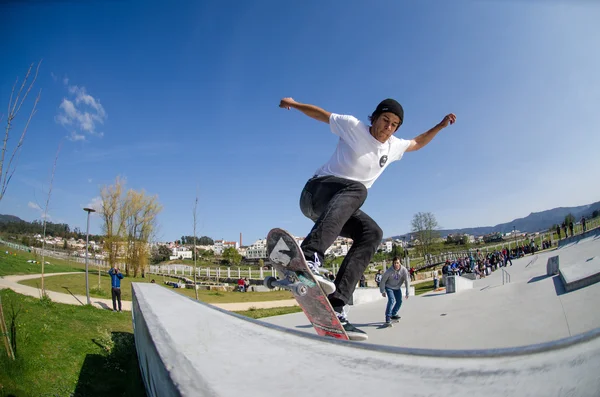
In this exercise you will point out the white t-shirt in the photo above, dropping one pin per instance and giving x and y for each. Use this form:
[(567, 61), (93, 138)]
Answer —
[(358, 156)]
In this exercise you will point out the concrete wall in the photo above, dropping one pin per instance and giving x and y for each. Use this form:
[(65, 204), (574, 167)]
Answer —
[(457, 284), (187, 348), (574, 239)]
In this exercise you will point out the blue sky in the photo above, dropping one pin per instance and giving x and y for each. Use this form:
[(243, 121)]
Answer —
[(184, 99)]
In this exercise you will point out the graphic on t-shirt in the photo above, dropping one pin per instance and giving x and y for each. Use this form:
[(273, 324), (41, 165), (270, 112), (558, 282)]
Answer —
[(383, 160)]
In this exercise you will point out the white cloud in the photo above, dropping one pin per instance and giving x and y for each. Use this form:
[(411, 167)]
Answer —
[(54, 77), (76, 137), (96, 204), (66, 81), (82, 112), (36, 207)]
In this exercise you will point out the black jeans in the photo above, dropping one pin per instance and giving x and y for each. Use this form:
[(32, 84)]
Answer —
[(116, 295), (334, 205)]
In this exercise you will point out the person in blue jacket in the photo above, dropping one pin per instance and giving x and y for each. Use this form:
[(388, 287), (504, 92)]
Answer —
[(115, 281)]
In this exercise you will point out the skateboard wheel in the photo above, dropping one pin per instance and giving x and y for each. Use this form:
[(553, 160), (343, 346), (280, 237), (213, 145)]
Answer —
[(301, 289), (269, 282)]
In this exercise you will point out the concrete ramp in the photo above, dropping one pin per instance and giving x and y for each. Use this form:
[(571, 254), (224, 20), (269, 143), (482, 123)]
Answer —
[(581, 274), (187, 348)]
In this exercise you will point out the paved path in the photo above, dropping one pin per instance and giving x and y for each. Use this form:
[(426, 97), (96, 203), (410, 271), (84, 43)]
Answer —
[(12, 282)]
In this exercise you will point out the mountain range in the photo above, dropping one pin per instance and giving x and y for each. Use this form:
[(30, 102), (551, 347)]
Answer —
[(534, 222)]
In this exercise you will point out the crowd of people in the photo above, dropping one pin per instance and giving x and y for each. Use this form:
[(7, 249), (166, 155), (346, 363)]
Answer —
[(482, 264)]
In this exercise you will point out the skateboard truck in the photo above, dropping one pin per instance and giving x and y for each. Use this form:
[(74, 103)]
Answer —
[(297, 288)]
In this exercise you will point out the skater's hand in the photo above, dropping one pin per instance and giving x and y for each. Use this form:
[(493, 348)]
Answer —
[(449, 119), (406, 296), (286, 103), (383, 294)]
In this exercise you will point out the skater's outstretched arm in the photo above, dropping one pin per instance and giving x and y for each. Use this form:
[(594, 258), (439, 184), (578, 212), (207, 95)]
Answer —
[(426, 137), (310, 110)]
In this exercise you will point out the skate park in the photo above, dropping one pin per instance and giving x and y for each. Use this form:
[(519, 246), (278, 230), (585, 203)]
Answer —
[(531, 329)]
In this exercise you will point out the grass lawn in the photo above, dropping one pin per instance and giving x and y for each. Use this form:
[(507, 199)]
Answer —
[(11, 264), (276, 311), (76, 284), (424, 287), (66, 350)]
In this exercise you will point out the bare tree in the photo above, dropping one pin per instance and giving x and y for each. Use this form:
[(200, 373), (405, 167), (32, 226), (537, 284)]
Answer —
[(14, 106), (140, 212), (129, 224), (425, 226), (113, 223), (45, 216)]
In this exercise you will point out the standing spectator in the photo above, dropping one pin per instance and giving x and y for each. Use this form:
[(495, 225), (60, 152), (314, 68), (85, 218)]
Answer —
[(363, 281), (564, 226), (583, 224), (390, 285), (412, 274), (436, 281), (115, 281), (571, 227), (558, 231), (378, 277)]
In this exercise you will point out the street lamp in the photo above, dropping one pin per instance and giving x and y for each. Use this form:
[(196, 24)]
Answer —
[(87, 241), (515, 238)]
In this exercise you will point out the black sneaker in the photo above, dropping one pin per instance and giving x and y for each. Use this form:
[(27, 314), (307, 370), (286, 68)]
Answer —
[(396, 318), (353, 332)]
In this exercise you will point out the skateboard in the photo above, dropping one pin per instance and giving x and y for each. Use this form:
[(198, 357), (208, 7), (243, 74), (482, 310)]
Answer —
[(294, 275)]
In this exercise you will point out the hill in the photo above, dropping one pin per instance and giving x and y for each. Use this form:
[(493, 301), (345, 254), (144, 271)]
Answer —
[(9, 218), (534, 222)]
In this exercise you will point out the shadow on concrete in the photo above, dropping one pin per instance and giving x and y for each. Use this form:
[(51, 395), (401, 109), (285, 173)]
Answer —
[(115, 373), (378, 324), (538, 278), (558, 285)]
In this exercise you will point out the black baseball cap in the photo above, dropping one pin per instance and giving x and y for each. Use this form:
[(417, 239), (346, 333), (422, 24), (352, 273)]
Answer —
[(390, 106)]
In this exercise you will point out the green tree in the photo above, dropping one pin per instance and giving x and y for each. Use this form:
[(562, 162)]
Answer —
[(204, 240), (159, 254), (397, 251), (595, 214), (232, 256), (569, 218)]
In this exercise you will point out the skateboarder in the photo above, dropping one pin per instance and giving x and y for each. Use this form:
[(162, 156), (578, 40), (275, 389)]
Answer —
[(332, 198), (390, 285)]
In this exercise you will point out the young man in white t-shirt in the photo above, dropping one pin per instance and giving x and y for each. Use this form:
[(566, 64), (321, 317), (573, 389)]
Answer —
[(333, 196)]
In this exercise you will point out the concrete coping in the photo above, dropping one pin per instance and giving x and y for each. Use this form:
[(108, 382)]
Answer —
[(185, 347)]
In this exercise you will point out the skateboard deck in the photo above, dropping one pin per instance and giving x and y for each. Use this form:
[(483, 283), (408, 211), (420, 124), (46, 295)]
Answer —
[(294, 274)]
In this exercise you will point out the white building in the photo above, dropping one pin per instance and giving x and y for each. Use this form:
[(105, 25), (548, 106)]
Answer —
[(181, 252), (340, 247), (258, 250), (222, 245)]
